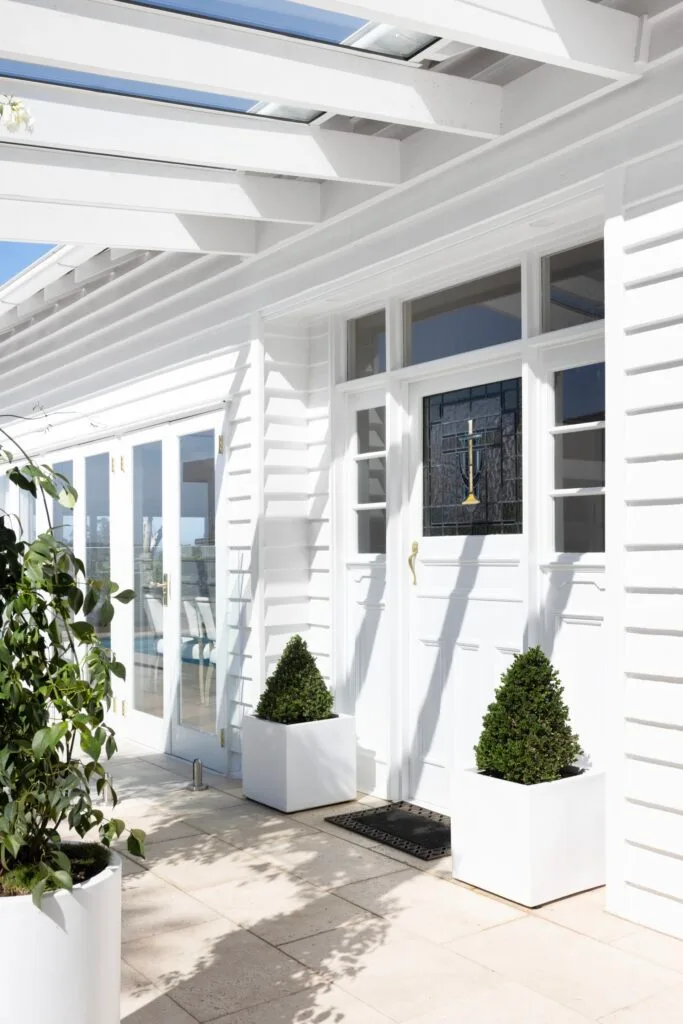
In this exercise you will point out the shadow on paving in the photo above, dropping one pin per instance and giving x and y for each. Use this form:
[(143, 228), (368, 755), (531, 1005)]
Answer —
[(233, 916)]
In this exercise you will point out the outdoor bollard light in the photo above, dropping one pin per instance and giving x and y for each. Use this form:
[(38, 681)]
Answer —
[(197, 783)]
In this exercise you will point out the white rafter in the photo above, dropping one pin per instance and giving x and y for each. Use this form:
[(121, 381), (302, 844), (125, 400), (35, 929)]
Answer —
[(24, 221), (74, 119), (575, 34), (49, 175), (124, 41)]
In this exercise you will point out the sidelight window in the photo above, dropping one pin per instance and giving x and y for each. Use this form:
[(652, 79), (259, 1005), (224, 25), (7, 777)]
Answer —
[(579, 440), (370, 469)]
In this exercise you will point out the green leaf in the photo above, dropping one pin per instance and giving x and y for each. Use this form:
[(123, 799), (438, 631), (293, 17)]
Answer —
[(125, 596), (136, 842), (91, 599), (13, 844), (62, 879), (106, 613), (41, 742), (38, 891), (84, 631), (118, 669), (62, 861)]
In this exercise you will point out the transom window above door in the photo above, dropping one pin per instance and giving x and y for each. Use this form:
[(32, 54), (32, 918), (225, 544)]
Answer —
[(465, 318), (574, 287), (472, 461)]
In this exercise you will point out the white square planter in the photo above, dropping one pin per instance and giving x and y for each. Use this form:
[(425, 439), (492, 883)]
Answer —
[(295, 767), (529, 844)]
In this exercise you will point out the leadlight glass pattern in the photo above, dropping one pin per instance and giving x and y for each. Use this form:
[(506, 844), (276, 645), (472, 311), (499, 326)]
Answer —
[(495, 413)]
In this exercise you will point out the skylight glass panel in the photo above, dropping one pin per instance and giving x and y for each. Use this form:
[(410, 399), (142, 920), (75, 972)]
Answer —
[(18, 256), (150, 91), (302, 21)]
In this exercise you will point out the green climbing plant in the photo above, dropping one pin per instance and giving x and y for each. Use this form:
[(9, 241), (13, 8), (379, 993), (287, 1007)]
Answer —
[(55, 689)]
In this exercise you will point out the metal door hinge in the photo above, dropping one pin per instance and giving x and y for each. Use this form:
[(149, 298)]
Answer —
[(222, 737), (123, 709), (221, 444), (123, 465), (113, 464)]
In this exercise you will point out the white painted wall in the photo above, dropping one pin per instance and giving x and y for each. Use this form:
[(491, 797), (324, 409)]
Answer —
[(645, 499), (171, 332)]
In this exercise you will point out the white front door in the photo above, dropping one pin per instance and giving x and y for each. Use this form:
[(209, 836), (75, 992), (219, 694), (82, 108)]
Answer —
[(171, 541), (464, 606)]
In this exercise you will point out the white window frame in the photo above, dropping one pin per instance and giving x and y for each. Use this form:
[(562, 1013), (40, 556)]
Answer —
[(371, 399)]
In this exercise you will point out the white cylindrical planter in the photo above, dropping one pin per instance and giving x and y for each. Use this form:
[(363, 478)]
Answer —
[(62, 964)]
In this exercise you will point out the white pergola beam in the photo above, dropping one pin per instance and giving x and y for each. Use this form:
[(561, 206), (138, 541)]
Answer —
[(574, 34), (72, 119), (53, 176), (124, 41), (129, 229)]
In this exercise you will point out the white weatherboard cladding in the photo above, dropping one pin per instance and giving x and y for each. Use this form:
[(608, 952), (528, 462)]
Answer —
[(162, 336), (645, 373)]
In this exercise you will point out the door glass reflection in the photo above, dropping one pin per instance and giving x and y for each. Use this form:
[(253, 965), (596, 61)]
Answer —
[(148, 607), (63, 518), (198, 581), (97, 549)]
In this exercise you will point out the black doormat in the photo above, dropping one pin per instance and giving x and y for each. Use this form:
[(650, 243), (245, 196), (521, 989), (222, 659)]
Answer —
[(421, 833)]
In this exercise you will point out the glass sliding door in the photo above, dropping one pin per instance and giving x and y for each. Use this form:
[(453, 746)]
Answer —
[(197, 705), (194, 603), (147, 676), (168, 501)]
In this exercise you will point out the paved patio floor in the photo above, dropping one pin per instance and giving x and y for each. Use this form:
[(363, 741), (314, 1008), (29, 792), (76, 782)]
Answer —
[(241, 915)]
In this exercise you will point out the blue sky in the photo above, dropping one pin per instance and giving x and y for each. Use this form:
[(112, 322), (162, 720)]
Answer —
[(16, 256)]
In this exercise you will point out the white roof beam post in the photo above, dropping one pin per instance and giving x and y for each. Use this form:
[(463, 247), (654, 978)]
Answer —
[(73, 119), (53, 176), (129, 229), (123, 41), (574, 34)]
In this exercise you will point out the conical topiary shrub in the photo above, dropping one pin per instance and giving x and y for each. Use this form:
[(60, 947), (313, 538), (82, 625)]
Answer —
[(527, 737), (296, 691)]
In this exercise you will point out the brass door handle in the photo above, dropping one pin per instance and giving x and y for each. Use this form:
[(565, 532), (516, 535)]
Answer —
[(412, 558)]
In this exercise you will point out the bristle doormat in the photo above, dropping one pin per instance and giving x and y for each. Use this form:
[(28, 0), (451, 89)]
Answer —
[(421, 833)]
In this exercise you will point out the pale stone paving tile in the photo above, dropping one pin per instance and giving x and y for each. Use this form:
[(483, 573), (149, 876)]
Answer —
[(215, 968), (327, 861), (151, 905), (441, 867), (142, 1003), (281, 908), (324, 1005), (397, 974), (663, 1008), (660, 949), (427, 906), (586, 914), (202, 861), (250, 827), (588, 976), (506, 1004)]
